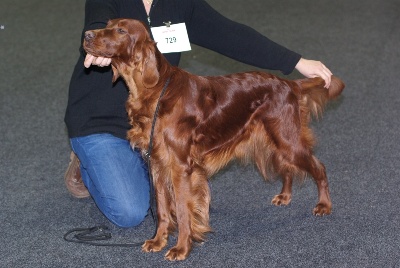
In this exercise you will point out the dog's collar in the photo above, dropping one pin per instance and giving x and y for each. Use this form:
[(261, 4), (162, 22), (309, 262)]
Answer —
[(147, 154)]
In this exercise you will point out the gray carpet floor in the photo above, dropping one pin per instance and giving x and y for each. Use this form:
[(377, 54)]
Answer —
[(359, 142)]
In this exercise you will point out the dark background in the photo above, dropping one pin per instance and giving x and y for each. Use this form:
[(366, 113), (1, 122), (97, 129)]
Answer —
[(359, 142)]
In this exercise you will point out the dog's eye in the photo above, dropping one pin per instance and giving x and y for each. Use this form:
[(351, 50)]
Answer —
[(121, 31)]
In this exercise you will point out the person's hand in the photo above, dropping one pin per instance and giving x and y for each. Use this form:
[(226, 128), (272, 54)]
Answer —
[(99, 61), (312, 68)]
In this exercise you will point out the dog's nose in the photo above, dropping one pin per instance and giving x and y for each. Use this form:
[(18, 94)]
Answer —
[(89, 35)]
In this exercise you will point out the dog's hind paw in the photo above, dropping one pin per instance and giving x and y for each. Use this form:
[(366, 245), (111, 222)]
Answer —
[(281, 200), (322, 210)]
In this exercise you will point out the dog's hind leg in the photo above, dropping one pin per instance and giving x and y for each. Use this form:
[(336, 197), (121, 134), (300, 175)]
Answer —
[(300, 164), (317, 170), (285, 196), (290, 163)]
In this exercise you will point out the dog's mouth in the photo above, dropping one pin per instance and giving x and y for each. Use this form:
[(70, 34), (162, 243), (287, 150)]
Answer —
[(94, 50), (87, 46)]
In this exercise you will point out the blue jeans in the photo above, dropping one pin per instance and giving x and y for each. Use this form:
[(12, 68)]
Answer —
[(116, 177)]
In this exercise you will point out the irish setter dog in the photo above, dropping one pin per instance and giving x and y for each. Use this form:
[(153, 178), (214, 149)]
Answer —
[(205, 122)]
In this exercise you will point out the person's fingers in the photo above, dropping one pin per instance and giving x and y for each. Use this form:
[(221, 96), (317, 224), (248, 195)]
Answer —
[(105, 62), (99, 61), (326, 75), (329, 71), (327, 79), (88, 60)]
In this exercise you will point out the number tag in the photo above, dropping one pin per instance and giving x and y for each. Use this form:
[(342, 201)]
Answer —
[(173, 38)]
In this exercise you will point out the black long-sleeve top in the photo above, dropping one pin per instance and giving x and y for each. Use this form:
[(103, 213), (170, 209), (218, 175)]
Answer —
[(95, 105)]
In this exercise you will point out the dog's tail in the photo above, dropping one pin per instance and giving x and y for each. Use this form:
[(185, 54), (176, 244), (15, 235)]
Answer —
[(314, 95)]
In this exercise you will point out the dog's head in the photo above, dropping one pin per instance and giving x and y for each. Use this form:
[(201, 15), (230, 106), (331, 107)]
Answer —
[(129, 45)]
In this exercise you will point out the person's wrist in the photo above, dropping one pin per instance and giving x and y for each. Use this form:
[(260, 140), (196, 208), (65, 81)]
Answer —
[(299, 64)]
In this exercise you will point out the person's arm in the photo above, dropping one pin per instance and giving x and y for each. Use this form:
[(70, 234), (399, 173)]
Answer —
[(209, 29)]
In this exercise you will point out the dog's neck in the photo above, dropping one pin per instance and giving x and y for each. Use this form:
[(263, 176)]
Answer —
[(142, 102), (142, 99), (132, 80)]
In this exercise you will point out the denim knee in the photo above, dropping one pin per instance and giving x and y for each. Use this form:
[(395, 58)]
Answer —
[(115, 176), (127, 216)]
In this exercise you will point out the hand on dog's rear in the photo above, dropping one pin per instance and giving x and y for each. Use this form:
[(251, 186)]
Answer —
[(98, 61), (312, 68)]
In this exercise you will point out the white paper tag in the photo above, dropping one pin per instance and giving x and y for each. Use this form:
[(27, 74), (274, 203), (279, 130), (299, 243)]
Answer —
[(171, 39)]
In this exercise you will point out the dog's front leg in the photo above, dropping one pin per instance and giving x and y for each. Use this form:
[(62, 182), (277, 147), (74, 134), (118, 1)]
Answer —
[(192, 199), (181, 185), (164, 217)]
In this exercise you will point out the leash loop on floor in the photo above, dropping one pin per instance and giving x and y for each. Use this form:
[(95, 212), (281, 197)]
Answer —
[(91, 235)]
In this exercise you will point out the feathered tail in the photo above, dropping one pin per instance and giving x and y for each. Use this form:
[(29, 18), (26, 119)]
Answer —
[(315, 96)]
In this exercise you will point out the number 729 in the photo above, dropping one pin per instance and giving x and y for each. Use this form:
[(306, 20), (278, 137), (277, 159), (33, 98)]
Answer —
[(170, 40)]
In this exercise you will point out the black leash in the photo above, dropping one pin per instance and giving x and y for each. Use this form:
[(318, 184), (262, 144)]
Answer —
[(91, 235), (150, 148)]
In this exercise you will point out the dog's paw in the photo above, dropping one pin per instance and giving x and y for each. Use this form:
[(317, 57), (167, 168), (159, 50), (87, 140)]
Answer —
[(177, 254), (154, 245), (281, 200), (322, 209)]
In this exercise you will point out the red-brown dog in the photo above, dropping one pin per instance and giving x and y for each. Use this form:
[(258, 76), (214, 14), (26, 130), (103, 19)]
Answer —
[(205, 122)]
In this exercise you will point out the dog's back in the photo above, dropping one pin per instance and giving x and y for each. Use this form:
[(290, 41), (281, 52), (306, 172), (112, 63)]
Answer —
[(247, 119)]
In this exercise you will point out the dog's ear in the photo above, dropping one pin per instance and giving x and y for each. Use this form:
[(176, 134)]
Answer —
[(150, 74), (115, 73)]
